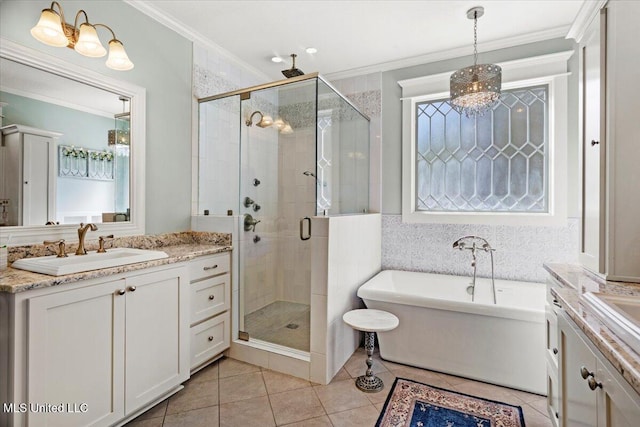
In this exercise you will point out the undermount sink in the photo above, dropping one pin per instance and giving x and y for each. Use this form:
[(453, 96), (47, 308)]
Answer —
[(621, 314), (116, 257)]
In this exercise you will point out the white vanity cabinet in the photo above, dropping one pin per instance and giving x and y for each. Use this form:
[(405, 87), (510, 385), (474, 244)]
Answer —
[(103, 348), (551, 354), (609, 156), (76, 342), (28, 174), (592, 392), (210, 296)]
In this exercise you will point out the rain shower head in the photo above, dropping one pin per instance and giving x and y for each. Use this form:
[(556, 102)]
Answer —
[(293, 71)]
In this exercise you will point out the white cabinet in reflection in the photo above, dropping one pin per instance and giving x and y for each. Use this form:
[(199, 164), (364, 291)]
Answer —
[(27, 180), (609, 154)]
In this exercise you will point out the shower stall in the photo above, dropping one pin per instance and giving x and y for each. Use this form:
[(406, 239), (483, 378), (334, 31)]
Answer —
[(279, 158)]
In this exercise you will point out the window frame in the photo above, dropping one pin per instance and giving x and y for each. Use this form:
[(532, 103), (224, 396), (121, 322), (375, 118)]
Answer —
[(540, 70)]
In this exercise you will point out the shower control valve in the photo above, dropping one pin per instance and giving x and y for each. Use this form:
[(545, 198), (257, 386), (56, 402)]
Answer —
[(256, 207), (250, 223), (248, 201)]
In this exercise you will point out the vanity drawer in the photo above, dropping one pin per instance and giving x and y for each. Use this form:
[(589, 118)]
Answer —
[(209, 297), (209, 339), (207, 266)]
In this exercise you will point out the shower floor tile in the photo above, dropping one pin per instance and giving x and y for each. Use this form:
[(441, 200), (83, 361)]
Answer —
[(281, 322)]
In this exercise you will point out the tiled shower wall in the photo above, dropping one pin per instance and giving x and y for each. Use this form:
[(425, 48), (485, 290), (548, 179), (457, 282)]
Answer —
[(366, 93), (214, 74), (520, 250)]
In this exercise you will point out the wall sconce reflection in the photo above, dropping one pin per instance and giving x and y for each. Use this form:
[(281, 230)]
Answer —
[(265, 121)]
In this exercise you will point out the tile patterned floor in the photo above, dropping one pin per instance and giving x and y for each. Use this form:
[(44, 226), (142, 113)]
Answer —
[(230, 393)]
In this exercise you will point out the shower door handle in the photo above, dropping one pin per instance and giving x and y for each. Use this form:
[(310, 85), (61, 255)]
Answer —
[(302, 221)]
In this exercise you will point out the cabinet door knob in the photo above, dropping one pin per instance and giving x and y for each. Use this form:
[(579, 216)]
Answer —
[(213, 267), (132, 288), (593, 384), (212, 297), (555, 350), (121, 291), (585, 373), (594, 142), (210, 338)]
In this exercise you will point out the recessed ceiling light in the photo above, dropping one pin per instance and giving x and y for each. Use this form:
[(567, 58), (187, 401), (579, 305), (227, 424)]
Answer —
[(311, 50), (276, 59)]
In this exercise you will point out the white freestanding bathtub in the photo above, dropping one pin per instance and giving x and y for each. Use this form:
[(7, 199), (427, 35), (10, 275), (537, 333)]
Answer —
[(441, 329)]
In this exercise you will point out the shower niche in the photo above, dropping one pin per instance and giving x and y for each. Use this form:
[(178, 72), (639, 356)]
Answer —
[(276, 163)]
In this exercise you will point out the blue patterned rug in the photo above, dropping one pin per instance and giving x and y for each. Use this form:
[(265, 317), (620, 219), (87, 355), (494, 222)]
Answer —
[(413, 404)]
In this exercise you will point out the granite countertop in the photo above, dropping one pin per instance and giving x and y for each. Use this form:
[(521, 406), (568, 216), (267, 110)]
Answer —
[(575, 282), (179, 246)]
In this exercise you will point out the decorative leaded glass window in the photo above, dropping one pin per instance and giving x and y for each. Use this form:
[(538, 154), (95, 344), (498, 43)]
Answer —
[(494, 163)]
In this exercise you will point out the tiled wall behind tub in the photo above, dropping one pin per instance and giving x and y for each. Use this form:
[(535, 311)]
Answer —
[(520, 250)]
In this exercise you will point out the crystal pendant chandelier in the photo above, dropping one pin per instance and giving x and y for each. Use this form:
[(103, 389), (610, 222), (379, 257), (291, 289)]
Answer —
[(476, 89)]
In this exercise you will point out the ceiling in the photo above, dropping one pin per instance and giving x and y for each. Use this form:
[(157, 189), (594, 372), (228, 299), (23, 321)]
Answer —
[(353, 37)]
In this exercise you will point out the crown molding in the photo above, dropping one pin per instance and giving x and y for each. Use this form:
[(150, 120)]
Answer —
[(451, 53), (587, 12), (518, 70), (147, 7)]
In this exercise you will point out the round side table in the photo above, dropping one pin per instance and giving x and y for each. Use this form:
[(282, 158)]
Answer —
[(370, 321)]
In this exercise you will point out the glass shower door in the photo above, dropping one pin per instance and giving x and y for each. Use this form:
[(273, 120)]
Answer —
[(277, 200)]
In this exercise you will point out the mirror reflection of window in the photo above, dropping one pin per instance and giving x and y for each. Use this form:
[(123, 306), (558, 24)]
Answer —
[(87, 175)]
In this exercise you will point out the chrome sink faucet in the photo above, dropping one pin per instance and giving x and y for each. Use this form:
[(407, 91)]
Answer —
[(82, 231), (474, 244)]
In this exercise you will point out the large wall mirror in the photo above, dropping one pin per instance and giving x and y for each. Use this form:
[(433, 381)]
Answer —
[(72, 149)]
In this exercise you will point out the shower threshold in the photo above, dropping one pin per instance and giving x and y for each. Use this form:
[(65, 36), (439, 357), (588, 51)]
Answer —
[(275, 348)]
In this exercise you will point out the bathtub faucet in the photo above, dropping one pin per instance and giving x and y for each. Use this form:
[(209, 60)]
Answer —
[(460, 244), (474, 244)]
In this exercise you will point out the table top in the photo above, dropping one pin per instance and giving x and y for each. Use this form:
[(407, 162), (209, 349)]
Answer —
[(369, 320)]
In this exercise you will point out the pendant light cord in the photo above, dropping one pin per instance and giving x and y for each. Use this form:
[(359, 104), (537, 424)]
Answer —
[(475, 38)]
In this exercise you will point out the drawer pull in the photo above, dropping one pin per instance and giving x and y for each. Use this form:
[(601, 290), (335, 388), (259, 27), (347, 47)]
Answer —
[(121, 292), (593, 384), (213, 267), (585, 373), (555, 351), (210, 338), (212, 297), (132, 288)]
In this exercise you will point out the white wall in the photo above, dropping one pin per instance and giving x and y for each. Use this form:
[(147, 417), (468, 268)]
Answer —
[(345, 253)]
